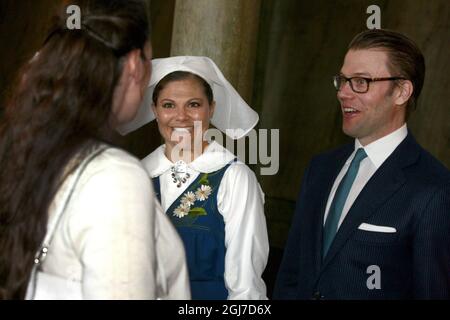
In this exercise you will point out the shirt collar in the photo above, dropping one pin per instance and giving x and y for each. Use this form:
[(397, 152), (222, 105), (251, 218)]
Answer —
[(212, 159), (379, 150)]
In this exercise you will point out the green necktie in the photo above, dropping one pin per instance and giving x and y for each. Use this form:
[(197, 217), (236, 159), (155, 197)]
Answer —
[(334, 214)]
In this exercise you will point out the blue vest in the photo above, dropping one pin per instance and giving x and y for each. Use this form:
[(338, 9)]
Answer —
[(203, 233)]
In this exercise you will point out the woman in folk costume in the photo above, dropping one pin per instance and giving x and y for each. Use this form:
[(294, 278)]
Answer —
[(213, 199), (78, 217)]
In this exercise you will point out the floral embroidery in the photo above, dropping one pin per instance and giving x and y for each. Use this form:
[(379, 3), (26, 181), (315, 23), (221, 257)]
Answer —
[(181, 211), (203, 192), (189, 198)]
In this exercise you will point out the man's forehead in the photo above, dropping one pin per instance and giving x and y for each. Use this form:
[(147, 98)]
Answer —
[(371, 62)]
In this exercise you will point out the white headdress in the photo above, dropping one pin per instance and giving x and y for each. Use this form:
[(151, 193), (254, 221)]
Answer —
[(232, 114)]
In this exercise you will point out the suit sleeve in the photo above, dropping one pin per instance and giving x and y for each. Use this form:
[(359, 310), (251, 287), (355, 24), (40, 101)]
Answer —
[(287, 278), (431, 249)]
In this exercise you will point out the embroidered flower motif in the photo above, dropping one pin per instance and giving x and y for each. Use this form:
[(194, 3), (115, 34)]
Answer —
[(203, 192), (188, 199), (182, 210)]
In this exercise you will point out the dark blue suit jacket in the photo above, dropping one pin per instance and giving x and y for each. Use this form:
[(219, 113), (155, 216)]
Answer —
[(409, 192)]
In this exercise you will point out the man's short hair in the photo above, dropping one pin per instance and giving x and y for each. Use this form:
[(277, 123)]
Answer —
[(404, 57)]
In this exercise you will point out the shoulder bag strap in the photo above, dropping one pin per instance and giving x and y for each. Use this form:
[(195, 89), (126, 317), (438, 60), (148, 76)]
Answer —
[(42, 252)]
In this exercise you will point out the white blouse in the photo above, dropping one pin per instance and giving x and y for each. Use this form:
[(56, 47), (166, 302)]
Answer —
[(240, 200), (113, 238)]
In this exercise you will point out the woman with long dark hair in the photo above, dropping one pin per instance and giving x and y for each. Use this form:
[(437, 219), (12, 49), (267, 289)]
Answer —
[(69, 99)]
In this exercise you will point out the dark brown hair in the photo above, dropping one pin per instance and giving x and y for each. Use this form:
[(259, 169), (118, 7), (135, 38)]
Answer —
[(182, 75), (404, 57), (61, 107)]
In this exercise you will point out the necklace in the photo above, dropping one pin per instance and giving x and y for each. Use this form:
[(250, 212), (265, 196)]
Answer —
[(179, 173)]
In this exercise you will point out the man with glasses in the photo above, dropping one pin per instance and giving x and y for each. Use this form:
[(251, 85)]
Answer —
[(373, 218)]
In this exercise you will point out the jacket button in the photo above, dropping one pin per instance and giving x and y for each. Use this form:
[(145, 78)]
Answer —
[(317, 296)]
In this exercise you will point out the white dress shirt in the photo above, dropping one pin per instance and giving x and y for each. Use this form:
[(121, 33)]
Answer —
[(377, 152), (240, 201)]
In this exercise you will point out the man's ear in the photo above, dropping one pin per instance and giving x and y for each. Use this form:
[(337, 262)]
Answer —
[(404, 92)]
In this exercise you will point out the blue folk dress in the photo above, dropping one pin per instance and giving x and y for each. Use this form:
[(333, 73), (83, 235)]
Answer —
[(201, 227)]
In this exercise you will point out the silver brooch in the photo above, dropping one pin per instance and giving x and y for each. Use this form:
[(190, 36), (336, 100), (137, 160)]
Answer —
[(179, 173)]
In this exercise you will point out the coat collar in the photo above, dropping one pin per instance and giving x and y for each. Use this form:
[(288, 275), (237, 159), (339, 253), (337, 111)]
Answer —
[(379, 150)]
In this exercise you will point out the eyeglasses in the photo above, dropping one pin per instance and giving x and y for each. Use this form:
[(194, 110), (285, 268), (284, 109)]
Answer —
[(359, 84)]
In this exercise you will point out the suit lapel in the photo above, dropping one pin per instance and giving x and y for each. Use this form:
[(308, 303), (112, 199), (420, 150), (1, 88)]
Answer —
[(382, 185)]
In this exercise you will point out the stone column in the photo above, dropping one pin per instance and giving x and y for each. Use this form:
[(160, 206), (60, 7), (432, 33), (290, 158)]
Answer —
[(225, 31)]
